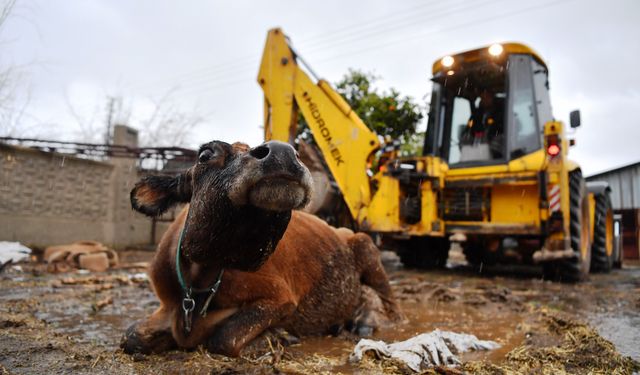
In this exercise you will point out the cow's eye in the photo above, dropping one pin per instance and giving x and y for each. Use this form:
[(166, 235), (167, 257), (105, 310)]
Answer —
[(206, 155)]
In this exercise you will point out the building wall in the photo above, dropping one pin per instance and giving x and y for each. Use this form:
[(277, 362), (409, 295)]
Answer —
[(48, 198), (630, 233), (625, 186)]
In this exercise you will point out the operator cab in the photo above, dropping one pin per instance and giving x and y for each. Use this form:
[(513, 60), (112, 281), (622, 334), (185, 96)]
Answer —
[(488, 106)]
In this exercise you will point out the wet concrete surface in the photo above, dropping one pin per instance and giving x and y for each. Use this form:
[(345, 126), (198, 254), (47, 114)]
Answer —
[(73, 322), (616, 314)]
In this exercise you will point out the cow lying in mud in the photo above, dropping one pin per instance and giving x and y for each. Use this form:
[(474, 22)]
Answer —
[(239, 260)]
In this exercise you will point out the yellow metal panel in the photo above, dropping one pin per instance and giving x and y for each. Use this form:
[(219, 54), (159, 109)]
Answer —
[(384, 211), (480, 172), (592, 213), (483, 54), (544, 214), (336, 98), (491, 179), (531, 162), (345, 141), (429, 213), (558, 171), (515, 204), (276, 77)]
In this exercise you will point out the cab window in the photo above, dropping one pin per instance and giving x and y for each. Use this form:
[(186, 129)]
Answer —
[(474, 122), (460, 117), (541, 88), (525, 134)]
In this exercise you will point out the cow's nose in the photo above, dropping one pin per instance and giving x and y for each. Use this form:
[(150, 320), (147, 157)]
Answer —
[(260, 152), (273, 149)]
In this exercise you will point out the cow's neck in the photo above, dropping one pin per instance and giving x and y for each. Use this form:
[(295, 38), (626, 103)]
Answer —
[(202, 277), (231, 238), (192, 275)]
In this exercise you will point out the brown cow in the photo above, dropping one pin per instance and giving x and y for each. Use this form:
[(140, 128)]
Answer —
[(282, 268)]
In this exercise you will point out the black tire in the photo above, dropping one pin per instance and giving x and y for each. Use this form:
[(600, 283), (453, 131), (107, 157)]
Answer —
[(473, 254), (424, 252), (577, 267), (477, 254), (602, 256)]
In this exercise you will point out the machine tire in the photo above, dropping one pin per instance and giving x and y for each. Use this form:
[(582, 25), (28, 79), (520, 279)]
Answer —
[(602, 256), (473, 254), (576, 268), (477, 254), (424, 252)]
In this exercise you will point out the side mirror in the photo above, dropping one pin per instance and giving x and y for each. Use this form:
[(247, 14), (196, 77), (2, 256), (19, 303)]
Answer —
[(574, 118)]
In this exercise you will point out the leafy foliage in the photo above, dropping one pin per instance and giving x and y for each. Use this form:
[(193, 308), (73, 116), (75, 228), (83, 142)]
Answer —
[(386, 113)]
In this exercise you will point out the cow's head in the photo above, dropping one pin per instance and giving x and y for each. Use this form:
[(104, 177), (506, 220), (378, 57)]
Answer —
[(240, 201)]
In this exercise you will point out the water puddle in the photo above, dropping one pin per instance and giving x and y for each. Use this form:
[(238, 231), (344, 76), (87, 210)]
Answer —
[(490, 306)]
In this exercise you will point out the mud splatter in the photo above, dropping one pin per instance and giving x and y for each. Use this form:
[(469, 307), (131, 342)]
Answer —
[(72, 323)]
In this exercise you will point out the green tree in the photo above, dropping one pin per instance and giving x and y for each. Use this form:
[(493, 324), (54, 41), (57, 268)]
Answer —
[(386, 113)]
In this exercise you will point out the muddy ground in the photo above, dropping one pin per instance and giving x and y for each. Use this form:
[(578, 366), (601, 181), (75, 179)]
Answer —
[(73, 322)]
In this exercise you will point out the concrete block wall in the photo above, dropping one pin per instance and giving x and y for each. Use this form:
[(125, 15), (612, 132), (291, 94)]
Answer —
[(48, 198)]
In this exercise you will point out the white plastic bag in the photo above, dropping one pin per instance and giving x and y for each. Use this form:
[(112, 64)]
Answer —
[(13, 251), (426, 350)]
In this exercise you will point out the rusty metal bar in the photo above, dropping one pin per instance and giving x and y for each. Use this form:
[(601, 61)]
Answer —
[(102, 151)]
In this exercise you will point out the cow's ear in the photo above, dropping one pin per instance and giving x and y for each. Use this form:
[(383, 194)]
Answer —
[(153, 195)]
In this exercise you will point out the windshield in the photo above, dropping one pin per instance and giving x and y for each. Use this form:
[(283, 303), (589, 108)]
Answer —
[(473, 108), (471, 119)]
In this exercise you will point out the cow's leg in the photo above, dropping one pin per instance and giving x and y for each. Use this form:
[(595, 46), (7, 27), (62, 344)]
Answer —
[(202, 327), (239, 329), (370, 313), (372, 274), (152, 335)]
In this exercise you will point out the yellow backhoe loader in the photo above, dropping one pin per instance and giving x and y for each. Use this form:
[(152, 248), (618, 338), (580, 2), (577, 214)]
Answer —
[(494, 173)]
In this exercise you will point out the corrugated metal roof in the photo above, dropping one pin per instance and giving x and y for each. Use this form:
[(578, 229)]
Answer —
[(625, 185), (616, 169)]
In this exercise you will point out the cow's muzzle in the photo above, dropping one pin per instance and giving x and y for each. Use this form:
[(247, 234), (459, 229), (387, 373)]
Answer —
[(282, 182)]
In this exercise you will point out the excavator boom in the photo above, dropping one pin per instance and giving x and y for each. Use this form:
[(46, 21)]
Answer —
[(344, 140)]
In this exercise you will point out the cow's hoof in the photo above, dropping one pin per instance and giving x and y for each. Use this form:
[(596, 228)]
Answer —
[(218, 345), (131, 342), (336, 329), (148, 342), (285, 338)]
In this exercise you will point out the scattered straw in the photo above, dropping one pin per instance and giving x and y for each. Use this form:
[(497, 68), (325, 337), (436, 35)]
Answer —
[(581, 351)]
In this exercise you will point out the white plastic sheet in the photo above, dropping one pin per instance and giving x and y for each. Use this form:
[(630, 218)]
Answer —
[(426, 350), (13, 251)]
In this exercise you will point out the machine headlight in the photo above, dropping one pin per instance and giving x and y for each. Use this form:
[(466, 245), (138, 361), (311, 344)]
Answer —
[(495, 50), (447, 61)]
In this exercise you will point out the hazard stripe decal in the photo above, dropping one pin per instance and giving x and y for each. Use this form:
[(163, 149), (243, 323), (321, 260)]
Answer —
[(554, 198)]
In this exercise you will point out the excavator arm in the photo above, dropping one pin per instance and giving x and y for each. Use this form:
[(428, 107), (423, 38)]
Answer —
[(345, 141)]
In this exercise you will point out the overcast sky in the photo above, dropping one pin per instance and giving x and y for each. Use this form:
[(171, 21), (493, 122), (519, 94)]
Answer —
[(206, 54)]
